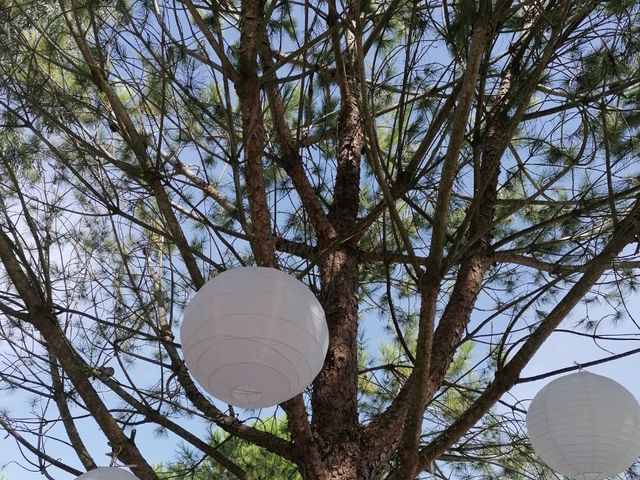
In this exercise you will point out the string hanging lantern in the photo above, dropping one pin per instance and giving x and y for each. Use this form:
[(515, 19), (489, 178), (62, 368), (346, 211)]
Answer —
[(585, 426), (107, 473), (254, 337)]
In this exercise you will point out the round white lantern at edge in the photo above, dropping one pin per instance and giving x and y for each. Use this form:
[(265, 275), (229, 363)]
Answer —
[(585, 426), (107, 473), (254, 337)]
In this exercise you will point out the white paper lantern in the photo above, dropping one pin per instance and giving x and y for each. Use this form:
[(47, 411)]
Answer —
[(107, 473), (585, 426), (254, 337)]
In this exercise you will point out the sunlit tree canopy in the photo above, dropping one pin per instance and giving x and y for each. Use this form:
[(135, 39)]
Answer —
[(455, 181)]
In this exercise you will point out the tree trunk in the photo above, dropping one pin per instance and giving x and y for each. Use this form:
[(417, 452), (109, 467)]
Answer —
[(335, 412)]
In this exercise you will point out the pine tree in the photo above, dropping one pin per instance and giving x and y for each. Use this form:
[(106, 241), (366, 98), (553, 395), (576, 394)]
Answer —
[(452, 179)]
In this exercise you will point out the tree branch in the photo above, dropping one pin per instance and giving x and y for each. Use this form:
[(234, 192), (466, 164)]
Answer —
[(505, 378)]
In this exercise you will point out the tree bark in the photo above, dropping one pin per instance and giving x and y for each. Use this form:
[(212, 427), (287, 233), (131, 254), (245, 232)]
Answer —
[(334, 400), (248, 88)]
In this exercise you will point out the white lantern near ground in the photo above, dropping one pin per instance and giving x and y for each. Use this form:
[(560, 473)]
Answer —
[(585, 426), (254, 337), (107, 473)]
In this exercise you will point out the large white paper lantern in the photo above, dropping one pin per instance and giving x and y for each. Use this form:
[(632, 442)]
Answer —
[(254, 337), (585, 426), (107, 473)]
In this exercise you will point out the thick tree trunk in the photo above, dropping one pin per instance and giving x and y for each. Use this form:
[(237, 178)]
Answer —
[(334, 401), (335, 417), (335, 412)]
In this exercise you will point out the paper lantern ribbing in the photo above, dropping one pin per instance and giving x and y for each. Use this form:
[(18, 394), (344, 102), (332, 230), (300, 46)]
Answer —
[(585, 426), (107, 473), (254, 337)]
